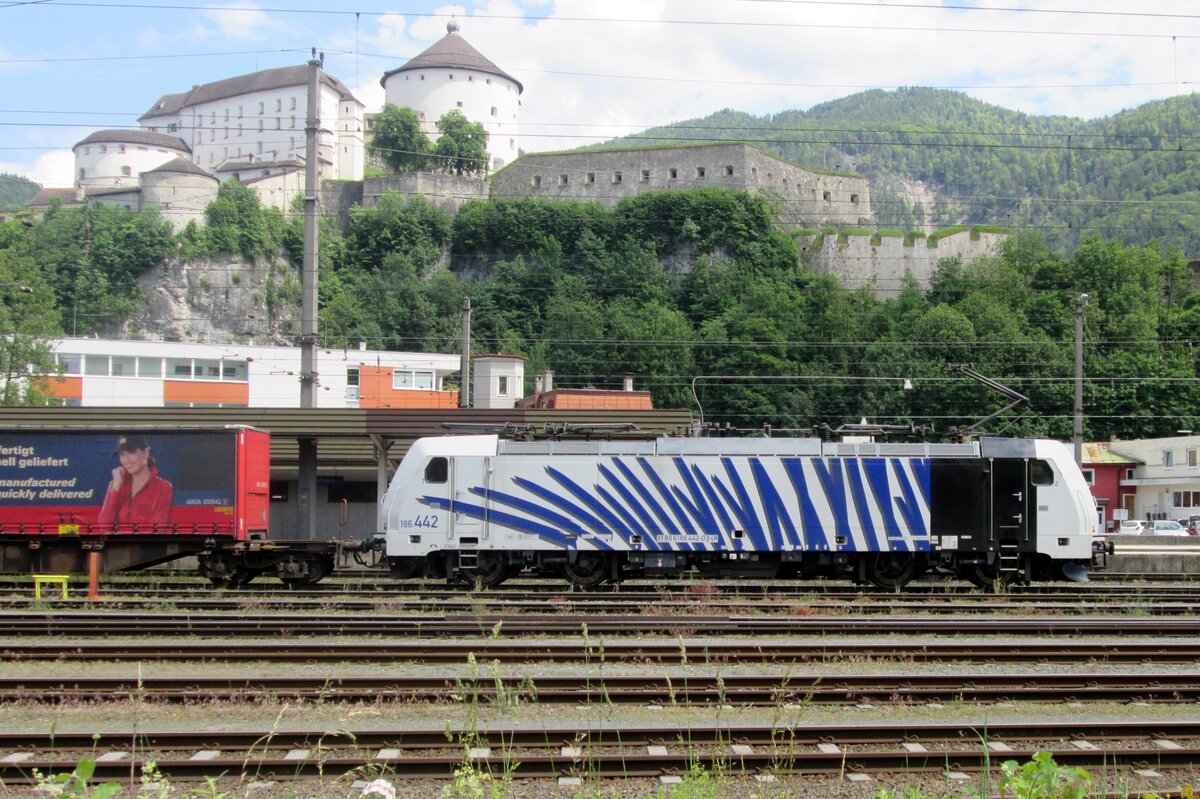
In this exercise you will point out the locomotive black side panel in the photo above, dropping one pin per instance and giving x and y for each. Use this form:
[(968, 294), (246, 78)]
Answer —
[(961, 498)]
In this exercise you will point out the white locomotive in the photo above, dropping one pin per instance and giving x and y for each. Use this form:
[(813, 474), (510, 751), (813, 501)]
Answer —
[(480, 509)]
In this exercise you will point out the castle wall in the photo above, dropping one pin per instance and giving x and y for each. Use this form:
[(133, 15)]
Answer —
[(609, 176), (447, 192), (883, 267)]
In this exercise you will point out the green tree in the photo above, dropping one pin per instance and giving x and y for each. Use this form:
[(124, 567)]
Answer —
[(462, 146), (28, 318), (398, 139)]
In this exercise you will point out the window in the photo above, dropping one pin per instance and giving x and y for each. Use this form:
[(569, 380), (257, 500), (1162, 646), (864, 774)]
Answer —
[(123, 365), (293, 123), (537, 181), (260, 126), (103, 148), (1040, 473), (494, 111), (293, 105), (854, 199), (1185, 499), (1169, 458), (591, 178), (1129, 474), (562, 180), (95, 365), (149, 367), (121, 149), (1191, 455), (458, 103), (672, 173), (1089, 476), (180, 368), (616, 177), (352, 390), (261, 106), (700, 171), (278, 103), (126, 171), (728, 170), (410, 378), (827, 196), (233, 370), (645, 176), (226, 114), (502, 385), (239, 112), (71, 364), (437, 470), (82, 173)]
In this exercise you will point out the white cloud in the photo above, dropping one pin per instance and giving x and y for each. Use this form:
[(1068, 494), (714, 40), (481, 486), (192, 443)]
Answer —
[(52, 170), (240, 21)]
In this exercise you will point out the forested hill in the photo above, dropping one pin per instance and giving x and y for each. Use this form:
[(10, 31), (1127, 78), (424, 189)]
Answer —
[(1133, 176), (15, 191)]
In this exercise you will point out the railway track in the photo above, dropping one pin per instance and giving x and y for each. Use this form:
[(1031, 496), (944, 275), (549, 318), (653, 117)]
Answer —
[(605, 751), (594, 650), (99, 624), (679, 689), (1156, 604)]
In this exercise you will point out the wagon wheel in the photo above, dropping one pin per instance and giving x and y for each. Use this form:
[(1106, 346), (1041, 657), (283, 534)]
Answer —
[(299, 571), (891, 571), (223, 572), (490, 569), (588, 570)]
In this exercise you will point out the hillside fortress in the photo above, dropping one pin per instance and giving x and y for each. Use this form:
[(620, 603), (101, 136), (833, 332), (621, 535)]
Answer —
[(251, 128), (454, 76)]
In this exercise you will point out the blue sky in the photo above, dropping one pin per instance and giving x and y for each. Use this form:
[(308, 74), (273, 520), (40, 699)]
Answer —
[(592, 69)]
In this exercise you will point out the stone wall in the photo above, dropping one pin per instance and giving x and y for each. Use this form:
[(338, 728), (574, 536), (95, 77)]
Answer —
[(884, 266), (609, 176), (447, 192)]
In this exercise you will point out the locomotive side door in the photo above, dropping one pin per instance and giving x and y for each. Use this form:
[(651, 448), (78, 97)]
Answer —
[(1010, 500), (468, 487)]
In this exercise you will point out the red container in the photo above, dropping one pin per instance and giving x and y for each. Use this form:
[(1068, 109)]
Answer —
[(210, 482)]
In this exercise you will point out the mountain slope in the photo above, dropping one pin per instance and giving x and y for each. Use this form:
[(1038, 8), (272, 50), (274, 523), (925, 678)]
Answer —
[(1131, 176)]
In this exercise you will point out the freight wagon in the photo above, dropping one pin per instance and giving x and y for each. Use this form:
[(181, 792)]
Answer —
[(143, 497)]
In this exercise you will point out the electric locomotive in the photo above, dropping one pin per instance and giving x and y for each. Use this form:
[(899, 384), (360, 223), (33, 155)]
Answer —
[(481, 509)]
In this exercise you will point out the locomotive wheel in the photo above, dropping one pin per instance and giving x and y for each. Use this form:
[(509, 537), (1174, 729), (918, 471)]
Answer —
[(404, 568), (891, 571), (299, 570), (589, 569), (986, 576), (490, 570)]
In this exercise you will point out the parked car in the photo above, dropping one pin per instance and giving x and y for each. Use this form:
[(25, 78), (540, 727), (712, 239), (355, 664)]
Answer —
[(1164, 527), (1131, 527)]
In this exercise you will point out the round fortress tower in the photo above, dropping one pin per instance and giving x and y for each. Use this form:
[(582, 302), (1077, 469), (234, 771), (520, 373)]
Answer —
[(453, 76)]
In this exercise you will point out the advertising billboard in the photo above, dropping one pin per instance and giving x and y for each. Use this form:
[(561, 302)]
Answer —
[(125, 481)]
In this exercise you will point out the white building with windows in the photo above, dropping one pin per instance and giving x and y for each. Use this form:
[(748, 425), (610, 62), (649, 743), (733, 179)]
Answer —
[(262, 116), (106, 373), (1167, 484), (453, 76), (112, 159)]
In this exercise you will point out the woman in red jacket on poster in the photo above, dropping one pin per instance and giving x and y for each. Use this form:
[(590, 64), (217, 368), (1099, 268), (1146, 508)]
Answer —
[(136, 495)]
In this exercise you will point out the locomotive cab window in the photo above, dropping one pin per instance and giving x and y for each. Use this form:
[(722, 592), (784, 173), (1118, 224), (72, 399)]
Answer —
[(437, 470), (1040, 473)]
